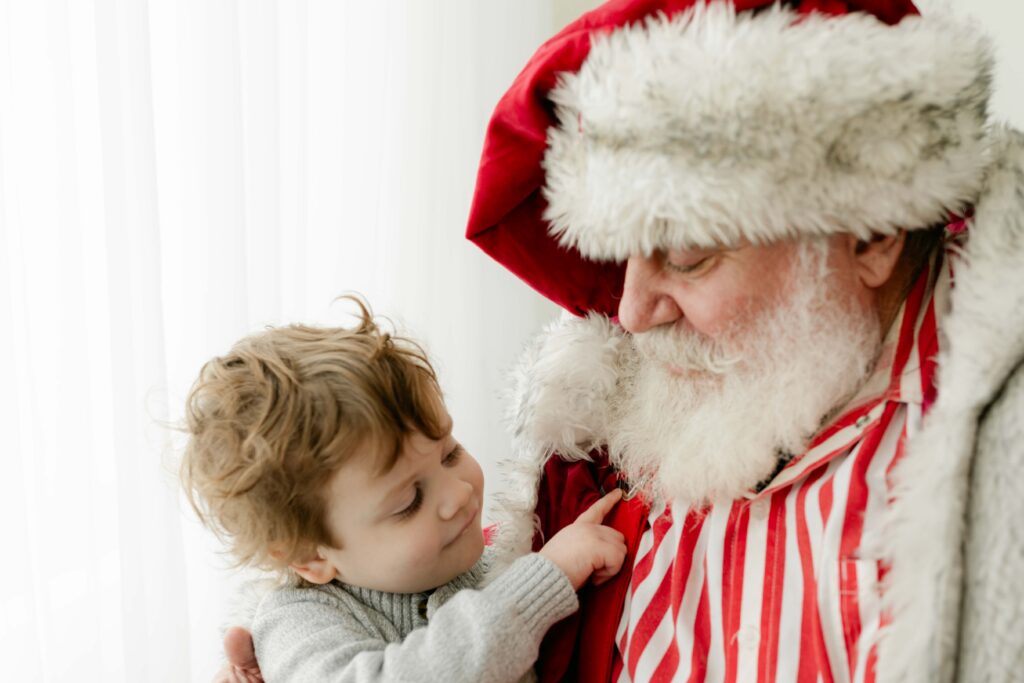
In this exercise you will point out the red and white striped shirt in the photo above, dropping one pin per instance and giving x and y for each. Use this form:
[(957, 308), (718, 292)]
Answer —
[(779, 586)]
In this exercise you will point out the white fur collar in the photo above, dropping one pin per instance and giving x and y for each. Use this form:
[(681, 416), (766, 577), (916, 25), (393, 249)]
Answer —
[(559, 404), (983, 339)]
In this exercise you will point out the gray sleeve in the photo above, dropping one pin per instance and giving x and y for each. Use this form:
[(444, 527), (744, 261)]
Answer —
[(487, 635)]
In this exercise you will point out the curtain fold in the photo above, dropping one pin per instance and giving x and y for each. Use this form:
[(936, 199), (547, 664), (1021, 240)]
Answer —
[(173, 175)]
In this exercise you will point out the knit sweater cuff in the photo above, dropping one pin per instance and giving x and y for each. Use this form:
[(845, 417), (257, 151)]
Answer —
[(539, 590)]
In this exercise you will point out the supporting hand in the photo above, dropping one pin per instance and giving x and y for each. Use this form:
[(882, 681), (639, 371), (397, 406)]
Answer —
[(242, 666)]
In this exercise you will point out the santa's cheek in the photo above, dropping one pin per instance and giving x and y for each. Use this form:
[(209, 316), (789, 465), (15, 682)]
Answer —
[(714, 318)]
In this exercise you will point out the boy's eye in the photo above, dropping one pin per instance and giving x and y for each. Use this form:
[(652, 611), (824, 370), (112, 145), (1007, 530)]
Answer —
[(412, 507), (453, 455)]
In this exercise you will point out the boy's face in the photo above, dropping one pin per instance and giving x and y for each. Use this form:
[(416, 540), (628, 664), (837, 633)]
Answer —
[(406, 531)]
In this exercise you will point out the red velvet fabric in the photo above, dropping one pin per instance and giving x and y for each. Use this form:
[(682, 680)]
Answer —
[(580, 647), (506, 215)]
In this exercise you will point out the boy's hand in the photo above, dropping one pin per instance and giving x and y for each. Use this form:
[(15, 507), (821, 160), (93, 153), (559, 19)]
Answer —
[(587, 547), (241, 666)]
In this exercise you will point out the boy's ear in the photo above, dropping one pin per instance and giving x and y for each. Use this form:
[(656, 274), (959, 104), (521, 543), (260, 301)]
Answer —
[(317, 569)]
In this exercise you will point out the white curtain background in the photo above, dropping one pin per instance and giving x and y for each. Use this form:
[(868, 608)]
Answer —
[(173, 175), (177, 173)]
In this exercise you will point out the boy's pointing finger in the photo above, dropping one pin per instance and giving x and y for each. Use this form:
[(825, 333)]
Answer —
[(596, 512)]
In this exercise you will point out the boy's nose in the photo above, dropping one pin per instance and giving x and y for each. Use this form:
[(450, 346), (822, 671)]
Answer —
[(458, 495)]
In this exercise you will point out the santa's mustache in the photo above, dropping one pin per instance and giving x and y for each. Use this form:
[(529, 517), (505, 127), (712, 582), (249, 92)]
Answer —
[(685, 350)]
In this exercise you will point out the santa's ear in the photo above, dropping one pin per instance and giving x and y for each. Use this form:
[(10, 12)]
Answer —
[(317, 569), (875, 258)]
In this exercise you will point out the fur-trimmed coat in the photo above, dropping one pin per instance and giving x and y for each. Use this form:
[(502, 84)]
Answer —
[(954, 536)]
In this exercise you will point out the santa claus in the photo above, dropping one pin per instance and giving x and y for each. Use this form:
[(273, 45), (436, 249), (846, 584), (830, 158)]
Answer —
[(791, 246)]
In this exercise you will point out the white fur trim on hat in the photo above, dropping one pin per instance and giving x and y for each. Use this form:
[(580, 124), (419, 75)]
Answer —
[(714, 127)]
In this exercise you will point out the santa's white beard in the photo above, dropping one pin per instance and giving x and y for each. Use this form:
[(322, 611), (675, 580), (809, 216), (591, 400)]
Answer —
[(720, 424)]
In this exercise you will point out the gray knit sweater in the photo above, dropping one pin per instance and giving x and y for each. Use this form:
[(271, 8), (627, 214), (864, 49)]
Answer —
[(458, 632)]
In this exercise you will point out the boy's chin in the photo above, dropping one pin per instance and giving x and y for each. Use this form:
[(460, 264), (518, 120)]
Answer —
[(477, 544)]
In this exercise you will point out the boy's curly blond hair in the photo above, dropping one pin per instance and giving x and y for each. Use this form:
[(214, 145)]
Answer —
[(270, 422)]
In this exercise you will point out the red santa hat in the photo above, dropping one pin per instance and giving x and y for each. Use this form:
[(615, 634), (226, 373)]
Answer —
[(650, 124)]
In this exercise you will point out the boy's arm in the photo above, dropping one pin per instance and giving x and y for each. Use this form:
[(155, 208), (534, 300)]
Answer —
[(492, 634)]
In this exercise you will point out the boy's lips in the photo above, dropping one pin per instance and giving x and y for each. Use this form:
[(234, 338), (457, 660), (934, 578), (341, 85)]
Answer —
[(465, 527)]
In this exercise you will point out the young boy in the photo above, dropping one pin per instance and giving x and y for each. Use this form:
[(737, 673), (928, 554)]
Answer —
[(328, 455)]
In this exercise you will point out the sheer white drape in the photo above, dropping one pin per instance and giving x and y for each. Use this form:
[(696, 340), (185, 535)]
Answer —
[(174, 174)]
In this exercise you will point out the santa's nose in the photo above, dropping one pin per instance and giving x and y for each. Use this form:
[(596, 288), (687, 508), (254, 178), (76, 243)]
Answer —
[(645, 304)]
